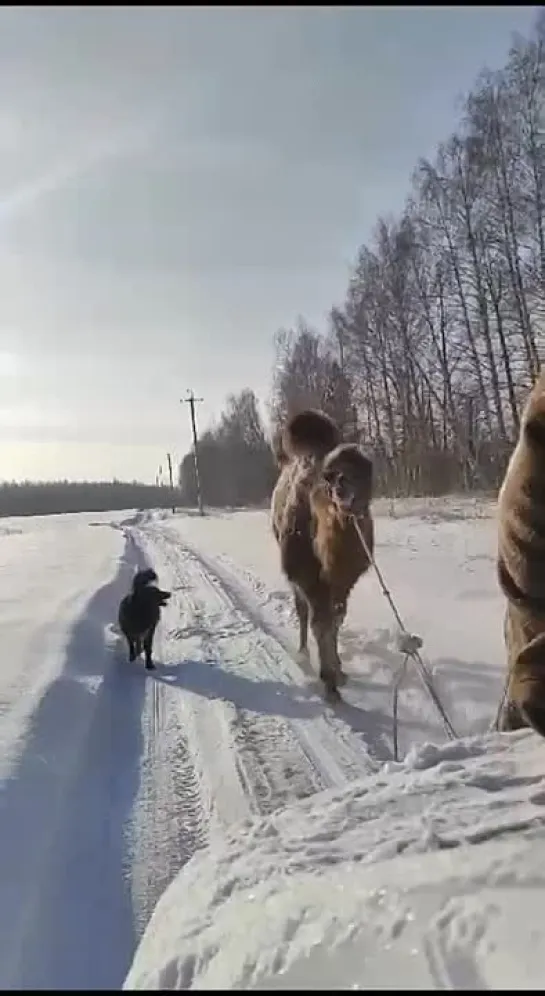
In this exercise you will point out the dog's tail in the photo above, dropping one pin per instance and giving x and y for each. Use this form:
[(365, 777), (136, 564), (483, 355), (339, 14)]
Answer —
[(310, 433), (142, 578)]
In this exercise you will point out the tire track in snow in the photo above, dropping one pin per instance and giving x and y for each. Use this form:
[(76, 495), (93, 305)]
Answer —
[(274, 768), (341, 754), (284, 745), (255, 741), (251, 762), (169, 822)]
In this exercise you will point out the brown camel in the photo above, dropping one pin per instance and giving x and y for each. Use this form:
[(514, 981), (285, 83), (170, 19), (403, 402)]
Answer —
[(323, 485), (521, 569)]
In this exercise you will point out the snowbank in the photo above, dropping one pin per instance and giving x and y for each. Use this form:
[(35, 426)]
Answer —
[(428, 874)]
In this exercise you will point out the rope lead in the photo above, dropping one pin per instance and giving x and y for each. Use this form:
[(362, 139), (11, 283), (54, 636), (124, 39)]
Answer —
[(409, 644)]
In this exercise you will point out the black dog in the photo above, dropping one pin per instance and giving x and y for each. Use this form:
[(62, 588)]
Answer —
[(139, 613)]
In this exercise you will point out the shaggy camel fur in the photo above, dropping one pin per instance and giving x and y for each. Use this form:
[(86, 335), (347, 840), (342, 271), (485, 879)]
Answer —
[(323, 484), (521, 569)]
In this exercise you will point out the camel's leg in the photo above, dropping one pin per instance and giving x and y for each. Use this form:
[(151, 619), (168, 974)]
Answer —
[(340, 613), (324, 630), (511, 718), (301, 608), (342, 676)]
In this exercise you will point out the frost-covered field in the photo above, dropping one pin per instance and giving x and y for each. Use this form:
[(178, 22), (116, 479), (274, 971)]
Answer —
[(316, 861)]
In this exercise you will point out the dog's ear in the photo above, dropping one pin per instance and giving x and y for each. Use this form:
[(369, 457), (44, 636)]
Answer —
[(143, 578)]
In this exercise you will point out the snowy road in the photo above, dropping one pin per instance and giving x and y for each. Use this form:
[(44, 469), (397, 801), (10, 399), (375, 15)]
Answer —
[(112, 779), (232, 729)]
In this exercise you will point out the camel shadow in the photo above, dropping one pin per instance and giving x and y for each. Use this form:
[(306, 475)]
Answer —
[(374, 726), (212, 681)]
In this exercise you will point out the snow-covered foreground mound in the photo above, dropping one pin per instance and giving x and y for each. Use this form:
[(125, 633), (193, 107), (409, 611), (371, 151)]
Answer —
[(427, 874)]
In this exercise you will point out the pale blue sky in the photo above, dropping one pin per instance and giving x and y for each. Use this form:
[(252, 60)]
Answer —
[(177, 183)]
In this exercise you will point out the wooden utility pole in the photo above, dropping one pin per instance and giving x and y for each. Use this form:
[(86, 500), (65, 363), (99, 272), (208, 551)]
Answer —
[(340, 340), (169, 461), (191, 400)]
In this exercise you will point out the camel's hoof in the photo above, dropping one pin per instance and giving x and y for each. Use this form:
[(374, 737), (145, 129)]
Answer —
[(332, 695), (511, 719)]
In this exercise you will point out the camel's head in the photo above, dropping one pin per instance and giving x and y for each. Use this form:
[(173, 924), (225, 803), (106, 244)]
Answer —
[(348, 477)]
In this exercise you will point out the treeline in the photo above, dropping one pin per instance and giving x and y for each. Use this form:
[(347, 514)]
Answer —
[(236, 465), (56, 497), (428, 359)]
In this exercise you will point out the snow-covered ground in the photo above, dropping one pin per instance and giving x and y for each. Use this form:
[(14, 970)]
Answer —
[(294, 852), (427, 875)]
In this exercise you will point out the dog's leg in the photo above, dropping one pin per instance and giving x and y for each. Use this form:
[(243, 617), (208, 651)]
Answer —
[(132, 650), (301, 608), (148, 646)]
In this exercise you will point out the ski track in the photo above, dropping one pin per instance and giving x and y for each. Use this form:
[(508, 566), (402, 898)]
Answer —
[(124, 775)]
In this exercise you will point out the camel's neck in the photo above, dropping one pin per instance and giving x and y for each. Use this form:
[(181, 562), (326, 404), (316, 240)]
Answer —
[(336, 542)]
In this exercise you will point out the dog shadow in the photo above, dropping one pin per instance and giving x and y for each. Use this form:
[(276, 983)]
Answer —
[(212, 681)]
